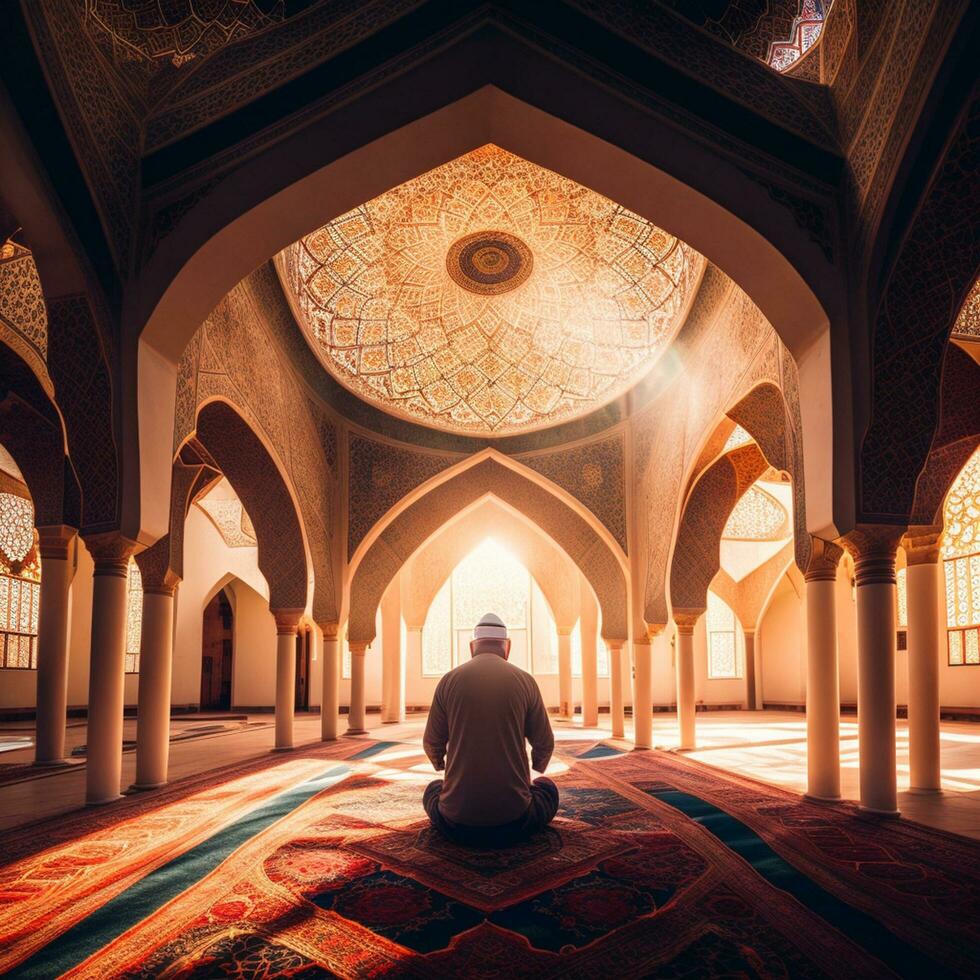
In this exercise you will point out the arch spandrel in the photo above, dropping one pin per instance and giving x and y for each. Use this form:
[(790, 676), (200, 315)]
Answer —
[(256, 478), (696, 558), (423, 518)]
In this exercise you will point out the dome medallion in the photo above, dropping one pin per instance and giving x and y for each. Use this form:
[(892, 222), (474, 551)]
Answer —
[(489, 296), (489, 262)]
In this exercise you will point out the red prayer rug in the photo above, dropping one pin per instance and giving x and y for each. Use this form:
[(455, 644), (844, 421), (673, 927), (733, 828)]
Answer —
[(323, 864)]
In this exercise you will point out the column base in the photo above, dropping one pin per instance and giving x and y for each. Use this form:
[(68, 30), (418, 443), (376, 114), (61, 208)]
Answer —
[(283, 748), (874, 812), (355, 731), (925, 791), (143, 787), (642, 748), (814, 798), (51, 763), (328, 738), (106, 801)]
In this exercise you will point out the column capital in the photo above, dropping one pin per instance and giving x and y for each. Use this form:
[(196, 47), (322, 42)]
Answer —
[(111, 552), (287, 620), (331, 631), (654, 630), (563, 631), (825, 556), (614, 644), (686, 619), (921, 544), (873, 548), (167, 588), (54, 541), (357, 648)]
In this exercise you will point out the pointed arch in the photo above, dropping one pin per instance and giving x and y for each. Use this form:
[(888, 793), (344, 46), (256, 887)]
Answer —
[(420, 520), (264, 492)]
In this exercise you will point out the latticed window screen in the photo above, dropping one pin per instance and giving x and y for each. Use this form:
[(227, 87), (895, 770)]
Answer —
[(901, 588), (489, 579), (961, 551), (134, 618), (722, 654), (20, 583)]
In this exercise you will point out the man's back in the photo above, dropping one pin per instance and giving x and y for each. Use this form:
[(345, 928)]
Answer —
[(481, 714)]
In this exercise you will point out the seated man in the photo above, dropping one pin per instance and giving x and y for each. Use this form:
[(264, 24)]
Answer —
[(480, 716)]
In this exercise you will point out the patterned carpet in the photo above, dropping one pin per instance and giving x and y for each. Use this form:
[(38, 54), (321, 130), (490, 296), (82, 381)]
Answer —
[(322, 864)]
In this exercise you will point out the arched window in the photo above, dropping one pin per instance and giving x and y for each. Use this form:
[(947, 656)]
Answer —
[(961, 564), (601, 652), (20, 583), (489, 579), (134, 618), (723, 659)]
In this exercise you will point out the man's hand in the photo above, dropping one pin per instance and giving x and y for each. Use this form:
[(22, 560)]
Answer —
[(439, 764)]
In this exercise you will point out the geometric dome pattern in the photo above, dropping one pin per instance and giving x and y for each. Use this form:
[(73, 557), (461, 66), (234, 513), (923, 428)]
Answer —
[(758, 516), (489, 296)]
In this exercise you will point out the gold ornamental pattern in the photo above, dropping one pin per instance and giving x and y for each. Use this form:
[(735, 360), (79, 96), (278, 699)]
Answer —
[(489, 296)]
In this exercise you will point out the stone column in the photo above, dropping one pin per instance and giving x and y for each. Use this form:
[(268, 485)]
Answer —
[(822, 673), (615, 648), (330, 694), (566, 705), (873, 548), (922, 586), (287, 622), (110, 590), (355, 717), (393, 657), (589, 628), (751, 701), (413, 647), (156, 664), (685, 621), (643, 689), (57, 569)]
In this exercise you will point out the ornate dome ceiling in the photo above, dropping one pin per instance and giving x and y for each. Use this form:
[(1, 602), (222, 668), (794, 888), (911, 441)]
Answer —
[(489, 296)]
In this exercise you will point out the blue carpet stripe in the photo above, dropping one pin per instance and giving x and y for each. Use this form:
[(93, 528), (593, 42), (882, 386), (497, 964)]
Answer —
[(374, 749), (866, 931), (144, 897), (600, 751)]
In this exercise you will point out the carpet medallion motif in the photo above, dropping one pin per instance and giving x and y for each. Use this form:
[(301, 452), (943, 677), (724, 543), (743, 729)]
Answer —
[(653, 864)]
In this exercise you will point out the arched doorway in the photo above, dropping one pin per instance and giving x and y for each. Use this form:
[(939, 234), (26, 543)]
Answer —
[(216, 654)]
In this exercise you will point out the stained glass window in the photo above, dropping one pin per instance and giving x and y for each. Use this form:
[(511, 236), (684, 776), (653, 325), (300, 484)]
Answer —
[(961, 553), (722, 654), (489, 579), (20, 583), (134, 618), (902, 590)]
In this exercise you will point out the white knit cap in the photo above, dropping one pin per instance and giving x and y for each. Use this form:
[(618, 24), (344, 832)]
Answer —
[(491, 627)]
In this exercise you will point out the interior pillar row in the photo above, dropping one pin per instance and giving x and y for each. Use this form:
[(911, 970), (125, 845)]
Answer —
[(822, 673), (616, 708), (355, 716), (589, 628), (110, 589), (685, 620), (153, 699), (566, 703), (330, 681), (55, 547), (874, 550), (392, 656), (287, 624), (922, 586)]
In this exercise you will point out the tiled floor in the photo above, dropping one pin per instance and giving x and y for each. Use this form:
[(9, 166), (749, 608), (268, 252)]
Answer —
[(769, 745)]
